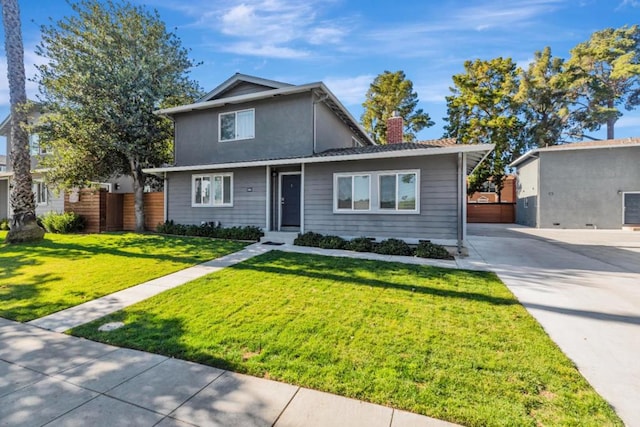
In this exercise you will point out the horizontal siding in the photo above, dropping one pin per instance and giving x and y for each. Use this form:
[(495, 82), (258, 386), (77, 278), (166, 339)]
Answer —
[(438, 207), (248, 207)]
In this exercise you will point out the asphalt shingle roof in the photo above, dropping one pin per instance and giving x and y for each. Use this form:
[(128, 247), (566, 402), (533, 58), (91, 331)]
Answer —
[(435, 143)]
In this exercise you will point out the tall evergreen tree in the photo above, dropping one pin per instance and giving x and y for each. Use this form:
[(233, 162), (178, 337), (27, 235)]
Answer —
[(482, 109), (391, 92), (545, 98), (109, 68), (605, 73), (23, 227)]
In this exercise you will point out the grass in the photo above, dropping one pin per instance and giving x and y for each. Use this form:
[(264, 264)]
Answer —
[(450, 344), (67, 270)]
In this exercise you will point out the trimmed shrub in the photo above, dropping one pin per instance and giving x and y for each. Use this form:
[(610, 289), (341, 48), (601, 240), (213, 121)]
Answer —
[(67, 222), (393, 247), (361, 244), (4, 224), (332, 242), (308, 239), (210, 229), (432, 250)]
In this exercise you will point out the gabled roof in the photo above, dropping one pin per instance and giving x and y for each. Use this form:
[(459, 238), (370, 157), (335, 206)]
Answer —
[(239, 78), (319, 89), (583, 145)]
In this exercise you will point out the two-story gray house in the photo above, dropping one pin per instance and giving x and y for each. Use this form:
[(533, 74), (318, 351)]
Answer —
[(291, 158)]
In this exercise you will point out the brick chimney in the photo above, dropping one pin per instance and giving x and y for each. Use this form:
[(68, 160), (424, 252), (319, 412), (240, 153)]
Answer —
[(394, 128)]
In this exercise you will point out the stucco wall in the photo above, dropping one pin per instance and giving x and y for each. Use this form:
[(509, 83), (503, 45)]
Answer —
[(582, 188), (331, 132), (283, 128)]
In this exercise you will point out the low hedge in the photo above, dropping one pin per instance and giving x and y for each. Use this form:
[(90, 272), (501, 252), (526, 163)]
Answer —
[(210, 229), (365, 244), (63, 223), (4, 224)]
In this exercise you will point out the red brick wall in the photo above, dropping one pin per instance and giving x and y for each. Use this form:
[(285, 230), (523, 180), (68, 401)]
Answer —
[(394, 130)]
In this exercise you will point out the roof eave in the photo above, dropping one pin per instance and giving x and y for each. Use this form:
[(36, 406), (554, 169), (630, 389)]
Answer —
[(479, 148)]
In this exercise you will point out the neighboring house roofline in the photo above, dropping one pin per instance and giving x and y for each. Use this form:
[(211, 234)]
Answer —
[(585, 145), (477, 151), (4, 125), (245, 78), (317, 88)]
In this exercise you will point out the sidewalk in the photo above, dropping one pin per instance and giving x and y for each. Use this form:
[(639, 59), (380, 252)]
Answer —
[(84, 313), (75, 316), (51, 379)]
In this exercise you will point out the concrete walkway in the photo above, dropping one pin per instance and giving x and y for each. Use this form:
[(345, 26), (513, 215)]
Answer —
[(84, 313), (51, 379), (583, 286)]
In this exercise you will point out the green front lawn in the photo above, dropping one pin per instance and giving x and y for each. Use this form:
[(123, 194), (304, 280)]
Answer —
[(66, 270), (451, 344)]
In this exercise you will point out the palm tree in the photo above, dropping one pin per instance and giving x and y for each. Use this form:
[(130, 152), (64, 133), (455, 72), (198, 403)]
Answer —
[(23, 227)]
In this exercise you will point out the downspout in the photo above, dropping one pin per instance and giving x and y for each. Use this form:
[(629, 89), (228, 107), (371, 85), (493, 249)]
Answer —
[(461, 198), (166, 197)]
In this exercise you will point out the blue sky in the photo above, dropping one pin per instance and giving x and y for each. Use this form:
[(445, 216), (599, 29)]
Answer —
[(346, 43)]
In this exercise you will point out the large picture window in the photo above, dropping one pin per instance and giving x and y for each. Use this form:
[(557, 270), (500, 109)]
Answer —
[(354, 192), (378, 192), (236, 125), (212, 190), (398, 191)]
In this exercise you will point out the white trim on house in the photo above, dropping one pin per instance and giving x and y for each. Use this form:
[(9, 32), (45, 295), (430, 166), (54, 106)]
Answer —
[(238, 77), (212, 179), (396, 209), (353, 176), (418, 152), (280, 175), (268, 199), (316, 87), (302, 198), (235, 132), (577, 146)]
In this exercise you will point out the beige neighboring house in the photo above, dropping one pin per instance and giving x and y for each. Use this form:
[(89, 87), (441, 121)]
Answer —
[(46, 199)]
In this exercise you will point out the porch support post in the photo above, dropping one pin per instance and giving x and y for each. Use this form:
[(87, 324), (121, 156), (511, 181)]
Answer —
[(302, 199), (267, 226)]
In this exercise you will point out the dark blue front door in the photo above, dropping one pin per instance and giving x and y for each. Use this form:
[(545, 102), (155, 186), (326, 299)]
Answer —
[(290, 199)]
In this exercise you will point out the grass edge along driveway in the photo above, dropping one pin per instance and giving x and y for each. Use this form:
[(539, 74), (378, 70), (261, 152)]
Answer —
[(37, 279), (451, 344)]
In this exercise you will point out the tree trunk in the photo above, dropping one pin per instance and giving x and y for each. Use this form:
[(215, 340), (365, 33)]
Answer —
[(138, 196), (610, 122), (23, 225)]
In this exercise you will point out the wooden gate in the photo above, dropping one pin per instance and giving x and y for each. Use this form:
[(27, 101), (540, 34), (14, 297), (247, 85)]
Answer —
[(114, 212)]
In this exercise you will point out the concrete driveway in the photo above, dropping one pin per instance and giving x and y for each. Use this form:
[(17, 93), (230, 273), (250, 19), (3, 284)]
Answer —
[(583, 286)]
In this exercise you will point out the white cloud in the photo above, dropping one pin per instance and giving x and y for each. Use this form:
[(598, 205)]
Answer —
[(263, 50), (631, 3), (350, 90)]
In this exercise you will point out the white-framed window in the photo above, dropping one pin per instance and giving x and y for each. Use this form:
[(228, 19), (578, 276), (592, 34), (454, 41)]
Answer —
[(398, 191), (212, 190), (40, 193), (236, 125), (377, 192), (353, 192)]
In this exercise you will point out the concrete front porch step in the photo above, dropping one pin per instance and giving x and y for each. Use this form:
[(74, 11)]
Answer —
[(631, 227), (286, 237)]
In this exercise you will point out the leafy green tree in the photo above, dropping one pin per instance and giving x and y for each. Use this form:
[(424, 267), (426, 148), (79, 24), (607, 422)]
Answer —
[(605, 73), (545, 99), (391, 92), (482, 109), (109, 68), (24, 227)]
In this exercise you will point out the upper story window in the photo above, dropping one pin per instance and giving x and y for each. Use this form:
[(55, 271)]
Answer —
[(377, 192), (35, 147), (40, 192), (236, 125), (212, 190)]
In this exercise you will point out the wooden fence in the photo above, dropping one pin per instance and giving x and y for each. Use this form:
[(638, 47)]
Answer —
[(491, 212), (114, 212)]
